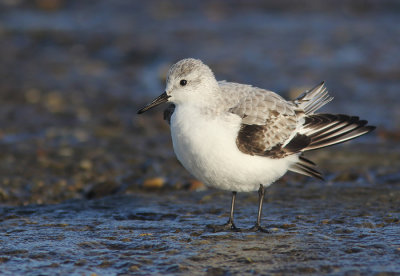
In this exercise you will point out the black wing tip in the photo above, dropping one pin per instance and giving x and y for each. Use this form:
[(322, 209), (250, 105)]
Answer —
[(370, 128), (308, 161), (320, 177), (338, 122), (317, 174), (307, 167), (363, 127)]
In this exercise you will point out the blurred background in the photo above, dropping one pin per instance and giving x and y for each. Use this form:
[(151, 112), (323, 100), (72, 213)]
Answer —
[(73, 74)]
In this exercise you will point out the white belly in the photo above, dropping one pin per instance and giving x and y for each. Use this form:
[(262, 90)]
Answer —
[(206, 147)]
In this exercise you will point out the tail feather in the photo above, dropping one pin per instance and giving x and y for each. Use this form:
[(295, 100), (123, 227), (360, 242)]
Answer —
[(328, 129), (313, 99), (322, 130), (306, 167)]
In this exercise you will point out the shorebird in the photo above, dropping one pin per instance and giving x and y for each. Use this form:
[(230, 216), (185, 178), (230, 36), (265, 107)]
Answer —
[(241, 138)]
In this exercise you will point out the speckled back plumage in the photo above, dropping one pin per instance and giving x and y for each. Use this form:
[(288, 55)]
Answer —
[(268, 120)]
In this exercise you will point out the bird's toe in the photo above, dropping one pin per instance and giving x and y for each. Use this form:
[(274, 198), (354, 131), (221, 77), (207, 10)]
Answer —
[(224, 228), (258, 228)]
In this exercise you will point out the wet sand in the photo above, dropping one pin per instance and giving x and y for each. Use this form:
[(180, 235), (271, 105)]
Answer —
[(315, 229)]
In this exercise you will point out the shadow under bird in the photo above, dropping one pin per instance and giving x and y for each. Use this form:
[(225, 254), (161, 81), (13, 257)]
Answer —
[(242, 138)]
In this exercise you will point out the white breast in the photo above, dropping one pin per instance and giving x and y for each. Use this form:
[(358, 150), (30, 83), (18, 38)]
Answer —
[(206, 147)]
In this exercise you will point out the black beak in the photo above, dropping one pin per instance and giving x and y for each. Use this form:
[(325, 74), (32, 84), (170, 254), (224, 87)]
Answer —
[(159, 100)]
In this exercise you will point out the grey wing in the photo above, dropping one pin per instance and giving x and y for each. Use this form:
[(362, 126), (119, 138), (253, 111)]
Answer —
[(276, 128), (268, 123)]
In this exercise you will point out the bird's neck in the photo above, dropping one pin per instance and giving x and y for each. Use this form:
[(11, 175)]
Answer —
[(198, 111)]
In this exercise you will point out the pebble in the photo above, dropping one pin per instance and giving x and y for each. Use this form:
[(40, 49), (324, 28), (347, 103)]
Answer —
[(196, 185), (86, 164), (154, 183), (55, 102)]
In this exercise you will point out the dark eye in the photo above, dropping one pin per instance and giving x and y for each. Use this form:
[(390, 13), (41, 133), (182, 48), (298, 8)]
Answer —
[(183, 82)]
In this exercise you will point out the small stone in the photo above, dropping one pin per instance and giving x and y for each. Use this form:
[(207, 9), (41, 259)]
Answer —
[(133, 268), (249, 260), (81, 135), (288, 225), (196, 185), (145, 234), (206, 198), (105, 264), (66, 152), (154, 183), (54, 102), (86, 164)]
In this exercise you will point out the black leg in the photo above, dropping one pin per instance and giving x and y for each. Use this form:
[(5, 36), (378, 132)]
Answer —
[(261, 193), (257, 226), (229, 225), (230, 221)]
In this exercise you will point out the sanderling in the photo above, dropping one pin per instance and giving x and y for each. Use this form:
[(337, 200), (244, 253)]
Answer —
[(242, 138)]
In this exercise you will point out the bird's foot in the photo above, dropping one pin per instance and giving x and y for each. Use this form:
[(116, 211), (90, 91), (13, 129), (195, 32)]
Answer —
[(258, 228), (229, 226)]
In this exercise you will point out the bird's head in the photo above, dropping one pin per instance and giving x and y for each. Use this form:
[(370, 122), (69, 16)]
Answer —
[(189, 81)]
